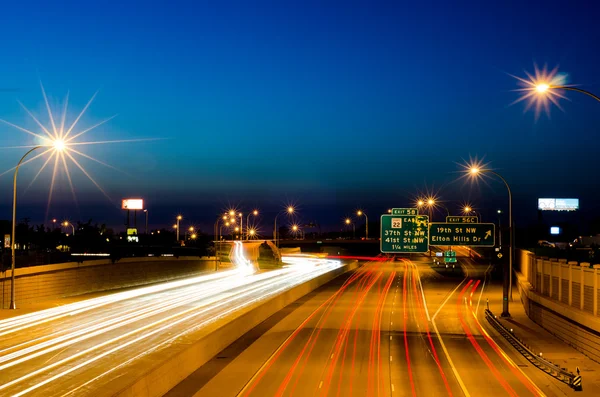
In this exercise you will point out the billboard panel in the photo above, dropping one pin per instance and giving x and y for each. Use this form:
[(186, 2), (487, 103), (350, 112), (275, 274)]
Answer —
[(558, 204), (132, 204)]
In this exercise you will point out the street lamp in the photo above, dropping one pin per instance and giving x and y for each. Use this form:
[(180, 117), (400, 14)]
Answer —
[(349, 222), (360, 213), (251, 233), (146, 213), (241, 226), (389, 210), (58, 146), (289, 210), (65, 224), (475, 171), (543, 88), (255, 213), (420, 204), (179, 217)]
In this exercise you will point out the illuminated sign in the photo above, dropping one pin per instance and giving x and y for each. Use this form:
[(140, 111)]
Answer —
[(558, 204), (132, 204), (7, 241), (404, 233), (475, 234), (461, 219), (555, 230)]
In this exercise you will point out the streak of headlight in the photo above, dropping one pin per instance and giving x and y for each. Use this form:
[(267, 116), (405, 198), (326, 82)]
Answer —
[(37, 318), (118, 322), (211, 304), (321, 270)]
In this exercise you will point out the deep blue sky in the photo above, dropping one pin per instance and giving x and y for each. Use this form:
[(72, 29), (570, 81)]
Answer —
[(333, 105)]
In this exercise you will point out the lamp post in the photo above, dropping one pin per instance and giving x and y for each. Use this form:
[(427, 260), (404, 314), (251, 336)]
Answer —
[(360, 213), (507, 287), (146, 213), (349, 222), (179, 217), (66, 223), (13, 304), (241, 226), (546, 88), (499, 229), (255, 213), (289, 210)]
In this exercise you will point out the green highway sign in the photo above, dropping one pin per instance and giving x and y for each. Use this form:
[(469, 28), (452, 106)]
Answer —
[(476, 234), (450, 253), (404, 233), (405, 211), (461, 219), (450, 260)]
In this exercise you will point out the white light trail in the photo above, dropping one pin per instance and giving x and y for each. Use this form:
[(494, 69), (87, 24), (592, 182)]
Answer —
[(63, 340)]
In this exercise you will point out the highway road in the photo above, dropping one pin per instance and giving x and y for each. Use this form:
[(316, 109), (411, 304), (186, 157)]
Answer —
[(392, 327), (95, 347)]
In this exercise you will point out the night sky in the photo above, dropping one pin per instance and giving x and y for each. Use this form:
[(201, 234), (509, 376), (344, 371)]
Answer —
[(330, 106)]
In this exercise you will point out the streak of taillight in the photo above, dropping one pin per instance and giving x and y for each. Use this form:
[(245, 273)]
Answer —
[(404, 296)]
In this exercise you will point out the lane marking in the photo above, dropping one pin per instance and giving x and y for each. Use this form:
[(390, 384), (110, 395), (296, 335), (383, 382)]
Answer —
[(393, 388), (446, 353), (390, 358), (320, 384), (390, 337)]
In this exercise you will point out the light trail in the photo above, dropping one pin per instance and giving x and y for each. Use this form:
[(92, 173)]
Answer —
[(75, 343)]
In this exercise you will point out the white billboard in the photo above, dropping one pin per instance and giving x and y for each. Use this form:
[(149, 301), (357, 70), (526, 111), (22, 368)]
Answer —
[(132, 204), (558, 204)]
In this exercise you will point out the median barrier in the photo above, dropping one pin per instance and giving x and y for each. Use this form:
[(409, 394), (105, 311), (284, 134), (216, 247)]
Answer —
[(194, 350)]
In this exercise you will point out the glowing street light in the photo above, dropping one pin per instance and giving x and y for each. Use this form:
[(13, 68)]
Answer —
[(543, 87), (179, 218), (348, 221), (66, 223), (193, 236), (255, 213), (251, 233), (476, 171), (58, 147), (361, 213), (289, 210)]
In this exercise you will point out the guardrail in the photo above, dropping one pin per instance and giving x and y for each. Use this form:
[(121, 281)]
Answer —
[(554, 370)]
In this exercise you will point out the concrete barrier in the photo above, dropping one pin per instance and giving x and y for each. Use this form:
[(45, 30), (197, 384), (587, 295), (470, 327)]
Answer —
[(197, 349), (41, 283)]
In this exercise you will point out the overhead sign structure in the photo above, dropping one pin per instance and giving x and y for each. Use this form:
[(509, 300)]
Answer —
[(132, 204), (476, 234), (405, 211), (404, 233), (461, 219)]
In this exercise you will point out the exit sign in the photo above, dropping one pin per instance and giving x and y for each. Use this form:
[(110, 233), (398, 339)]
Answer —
[(405, 211), (461, 219)]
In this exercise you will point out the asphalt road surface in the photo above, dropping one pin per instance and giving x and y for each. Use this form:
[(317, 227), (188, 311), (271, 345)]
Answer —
[(392, 327)]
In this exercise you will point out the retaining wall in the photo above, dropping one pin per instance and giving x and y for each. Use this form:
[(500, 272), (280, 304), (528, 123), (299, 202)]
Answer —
[(562, 297)]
